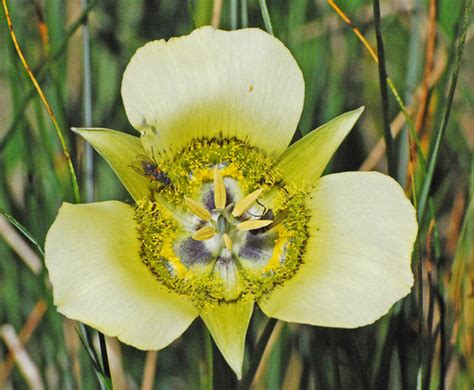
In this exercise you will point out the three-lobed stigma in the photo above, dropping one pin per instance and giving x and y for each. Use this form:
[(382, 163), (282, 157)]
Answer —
[(226, 227)]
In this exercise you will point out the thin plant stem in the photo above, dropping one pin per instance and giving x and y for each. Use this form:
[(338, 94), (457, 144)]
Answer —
[(105, 358), (209, 357), (244, 14), (233, 14), (444, 122), (216, 13), (222, 375), (413, 63), (384, 91), (354, 28), (23, 230), (67, 155), (442, 341), (266, 16), (86, 341), (421, 319), (87, 99), (430, 318), (429, 59), (247, 380), (335, 367)]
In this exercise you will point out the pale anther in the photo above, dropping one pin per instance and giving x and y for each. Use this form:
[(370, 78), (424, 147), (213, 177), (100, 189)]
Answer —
[(253, 224), (219, 190), (204, 233), (227, 241), (197, 209), (243, 204)]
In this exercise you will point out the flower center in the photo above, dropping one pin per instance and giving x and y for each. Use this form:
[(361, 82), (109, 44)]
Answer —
[(225, 226)]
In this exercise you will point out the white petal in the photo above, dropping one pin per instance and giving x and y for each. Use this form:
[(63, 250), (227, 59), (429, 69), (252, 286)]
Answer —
[(357, 261), (242, 83), (99, 279)]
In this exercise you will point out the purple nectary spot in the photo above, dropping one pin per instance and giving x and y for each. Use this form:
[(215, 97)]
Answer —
[(193, 252), (225, 260), (257, 247)]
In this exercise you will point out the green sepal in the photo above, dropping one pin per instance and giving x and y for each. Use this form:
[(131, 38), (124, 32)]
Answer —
[(305, 160), (228, 323), (120, 150)]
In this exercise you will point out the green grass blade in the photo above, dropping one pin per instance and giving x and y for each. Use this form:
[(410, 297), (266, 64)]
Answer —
[(444, 123), (23, 230), (266, 16)]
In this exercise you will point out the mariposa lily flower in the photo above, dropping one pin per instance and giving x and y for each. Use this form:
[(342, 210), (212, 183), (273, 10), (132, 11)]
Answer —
[(225, 214)]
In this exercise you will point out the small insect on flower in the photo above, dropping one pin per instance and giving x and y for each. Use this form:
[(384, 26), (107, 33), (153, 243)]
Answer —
[(150, 169)]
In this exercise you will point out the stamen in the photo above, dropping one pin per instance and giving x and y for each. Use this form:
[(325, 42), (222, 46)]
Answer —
[(243, 204), (203, 234), (219, 190), (253, 224), (227, 241), (197, 209)]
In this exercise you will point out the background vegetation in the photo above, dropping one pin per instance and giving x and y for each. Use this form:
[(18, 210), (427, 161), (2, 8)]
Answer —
[(426, 341)]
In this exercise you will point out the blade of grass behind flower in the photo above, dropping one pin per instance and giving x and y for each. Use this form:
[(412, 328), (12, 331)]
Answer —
[(16, 242), (266, 16), (384, 91), (23, 230), (248, 377), (433, 156), (25, 363), (389, 81), (34, 319), (87, 106), (41, 71), (233, 14), (201, 12), (216, 13), (244, 14), (75, 186), (105, 382), (296, 18), (411, 80)]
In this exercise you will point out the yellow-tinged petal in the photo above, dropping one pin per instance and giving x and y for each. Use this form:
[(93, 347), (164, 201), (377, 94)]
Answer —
[(357, 261), (228, 323), (205, 233), (99, 279), (242, 83), (305, 160), (219, 190), (243, 204), (254, 224), (120, 150), (197, 209)]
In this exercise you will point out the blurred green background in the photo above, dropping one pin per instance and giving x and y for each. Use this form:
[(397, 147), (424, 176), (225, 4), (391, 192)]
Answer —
[(340, 75)]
